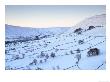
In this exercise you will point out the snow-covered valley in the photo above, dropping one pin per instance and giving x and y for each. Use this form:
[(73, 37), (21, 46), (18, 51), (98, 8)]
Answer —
[(82, 47)]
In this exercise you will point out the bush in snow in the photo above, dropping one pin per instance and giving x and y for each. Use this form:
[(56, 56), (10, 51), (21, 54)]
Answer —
[(41, 61), (37, 38), (91, 27), (80, 42), (56, 50), (78, 31), (52, 55), (66, 53), (93, 52), (8, 43), (6, 51), (47, 56), (42, 54), (34, 62), (38, 68), (16, 57), (78, 57), (71, 52), (78, 50), (45, 60), (12, 49)]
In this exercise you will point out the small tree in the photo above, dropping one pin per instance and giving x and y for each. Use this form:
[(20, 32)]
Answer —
[(93, 52), (38, 68), (66, 53), (16, 57), (37, 38), (42, 54), (52, 55), (80, 42), (41, 61), (78, 31), (47, 56), (78, 55), (35, 61), (45, 60), (78, 50), (71, 52), (91, 27), (56, 50)]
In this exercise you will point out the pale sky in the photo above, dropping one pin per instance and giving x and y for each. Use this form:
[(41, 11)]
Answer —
[(50, 16)]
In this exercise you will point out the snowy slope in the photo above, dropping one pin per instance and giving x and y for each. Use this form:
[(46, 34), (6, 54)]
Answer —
[(37, 54)]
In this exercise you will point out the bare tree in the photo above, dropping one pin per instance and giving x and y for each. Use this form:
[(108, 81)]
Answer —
[(78, 55)]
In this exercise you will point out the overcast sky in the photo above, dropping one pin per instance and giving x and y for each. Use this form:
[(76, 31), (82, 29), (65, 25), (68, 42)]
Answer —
[(50, 16)]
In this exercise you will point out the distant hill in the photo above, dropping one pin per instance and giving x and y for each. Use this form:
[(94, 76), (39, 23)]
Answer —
[(13, 32)]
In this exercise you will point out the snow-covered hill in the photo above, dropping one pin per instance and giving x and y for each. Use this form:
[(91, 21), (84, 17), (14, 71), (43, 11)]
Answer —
[(67, 50)]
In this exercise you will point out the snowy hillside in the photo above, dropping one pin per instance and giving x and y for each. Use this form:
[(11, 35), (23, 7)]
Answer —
[(82, 47)]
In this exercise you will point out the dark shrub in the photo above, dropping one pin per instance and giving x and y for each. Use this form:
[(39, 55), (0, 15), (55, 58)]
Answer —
[(45, 60), (47, 56), (91, 27), (37, 38), (93, 52), (71, 52), (56, 50), (78, 50), (42, 54), (78, 31), (34, 62), (41, 61), (78, 56), (52, 55), (39, 68), (80, 42), (16, 57)]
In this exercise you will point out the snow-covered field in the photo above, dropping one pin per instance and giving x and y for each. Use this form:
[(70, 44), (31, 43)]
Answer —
[(57, 48)]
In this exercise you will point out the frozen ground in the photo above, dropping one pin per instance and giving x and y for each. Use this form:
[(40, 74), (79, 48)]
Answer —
[(56, 48)]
